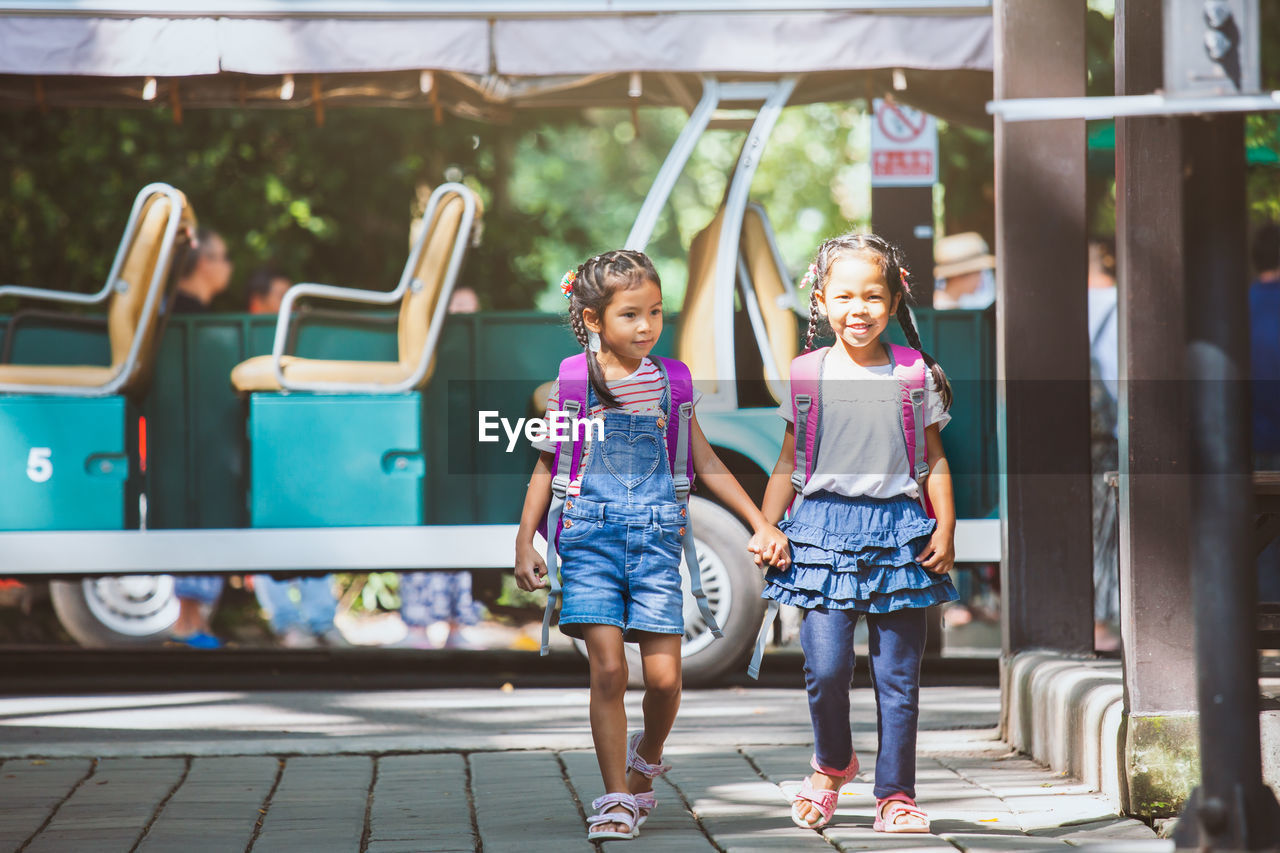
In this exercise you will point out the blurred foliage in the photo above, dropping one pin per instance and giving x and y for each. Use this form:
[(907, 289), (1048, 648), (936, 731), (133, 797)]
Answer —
[(329, 204), (333, 203), (374, 592), (1262, 130)]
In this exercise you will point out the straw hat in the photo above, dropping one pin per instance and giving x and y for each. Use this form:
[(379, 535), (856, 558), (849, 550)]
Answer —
[(957, 254)]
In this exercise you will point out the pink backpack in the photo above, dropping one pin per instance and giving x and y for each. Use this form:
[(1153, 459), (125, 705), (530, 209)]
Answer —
[(806, 405), (573, 380)]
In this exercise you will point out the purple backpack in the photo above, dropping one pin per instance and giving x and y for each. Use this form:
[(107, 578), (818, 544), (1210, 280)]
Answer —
[(573, 381)]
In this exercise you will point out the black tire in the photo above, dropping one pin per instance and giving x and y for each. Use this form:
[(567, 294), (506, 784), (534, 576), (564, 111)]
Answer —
[(733, 584), (102, 613)]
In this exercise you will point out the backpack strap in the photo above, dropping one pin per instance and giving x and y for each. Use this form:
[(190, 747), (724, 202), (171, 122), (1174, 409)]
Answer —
[(912, 373), (680, 455), (806, 409), (572, 389), (762, 639)]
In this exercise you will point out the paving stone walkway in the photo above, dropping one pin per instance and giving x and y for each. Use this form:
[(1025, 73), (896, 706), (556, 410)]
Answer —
[(522, 802), (721, 795)]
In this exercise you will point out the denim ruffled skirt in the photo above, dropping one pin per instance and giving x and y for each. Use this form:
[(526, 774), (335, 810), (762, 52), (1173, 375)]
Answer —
[(858, 554)]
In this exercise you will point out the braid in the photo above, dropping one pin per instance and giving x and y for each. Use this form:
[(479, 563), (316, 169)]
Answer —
[(576, 304), (913, 340), (577, 324), (815, 318)]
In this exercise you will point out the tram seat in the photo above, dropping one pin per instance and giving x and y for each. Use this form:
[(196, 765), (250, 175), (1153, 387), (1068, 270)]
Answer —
[(767, 280), (430, 271), (144, 260)]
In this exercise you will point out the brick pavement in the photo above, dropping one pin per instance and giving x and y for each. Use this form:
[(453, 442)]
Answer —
[(527, 801), (737, 759)]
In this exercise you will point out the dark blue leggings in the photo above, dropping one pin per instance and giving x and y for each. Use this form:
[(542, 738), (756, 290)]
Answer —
[(896, 645)]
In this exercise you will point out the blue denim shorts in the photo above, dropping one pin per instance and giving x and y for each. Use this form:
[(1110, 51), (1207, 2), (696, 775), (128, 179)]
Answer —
[(621, 566)]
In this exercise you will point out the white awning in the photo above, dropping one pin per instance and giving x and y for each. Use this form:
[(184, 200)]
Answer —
[(750, 42), (111, 47), (755, 43), (936, 54), (338, 46)]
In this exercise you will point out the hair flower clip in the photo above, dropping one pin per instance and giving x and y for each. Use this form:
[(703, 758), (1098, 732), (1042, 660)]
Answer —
[(566, 284), (810, 276), (906, 281)]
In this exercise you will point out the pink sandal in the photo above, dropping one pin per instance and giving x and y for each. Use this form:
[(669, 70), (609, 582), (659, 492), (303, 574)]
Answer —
[(646, 801), (628, 818), (892, 809), (824, 800)]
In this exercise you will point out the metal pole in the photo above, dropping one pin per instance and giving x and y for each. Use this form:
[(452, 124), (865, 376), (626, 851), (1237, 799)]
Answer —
[(1232, 809)]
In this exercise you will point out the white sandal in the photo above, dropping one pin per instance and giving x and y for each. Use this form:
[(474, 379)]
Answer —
[(628, 818), (646, 801)]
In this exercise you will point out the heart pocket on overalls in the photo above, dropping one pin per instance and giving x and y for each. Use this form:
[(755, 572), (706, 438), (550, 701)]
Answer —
[(626, 457)]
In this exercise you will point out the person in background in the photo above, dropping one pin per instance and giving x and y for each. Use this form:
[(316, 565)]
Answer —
[(265, 288), (1104, 370), (1264, 350), (437, 607), (202, 271), (301, 610), (964, 272)]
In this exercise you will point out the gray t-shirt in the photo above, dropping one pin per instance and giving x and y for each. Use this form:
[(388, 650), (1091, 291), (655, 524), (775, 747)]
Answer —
[(862, 452)]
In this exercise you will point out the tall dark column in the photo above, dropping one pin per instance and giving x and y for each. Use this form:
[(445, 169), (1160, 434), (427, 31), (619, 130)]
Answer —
[(1232, 808), (1155, 448), (1042, 345)]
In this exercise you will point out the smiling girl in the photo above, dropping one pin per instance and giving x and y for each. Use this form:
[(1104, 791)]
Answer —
[(860, 487)]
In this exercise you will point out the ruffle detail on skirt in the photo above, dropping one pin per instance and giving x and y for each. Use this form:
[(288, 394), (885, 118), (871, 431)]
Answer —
[(888, 538), (858, 554), (875, 602)]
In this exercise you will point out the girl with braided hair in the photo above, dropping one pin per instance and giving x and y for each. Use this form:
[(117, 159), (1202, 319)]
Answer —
[(862, 539), (624, 522)]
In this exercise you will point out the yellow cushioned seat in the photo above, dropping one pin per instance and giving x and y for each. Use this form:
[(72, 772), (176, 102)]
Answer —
[(125, 304), (258, 374), (71, 376), (416, 310)]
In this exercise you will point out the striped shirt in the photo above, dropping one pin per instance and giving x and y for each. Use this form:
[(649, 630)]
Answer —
[(640, 394)]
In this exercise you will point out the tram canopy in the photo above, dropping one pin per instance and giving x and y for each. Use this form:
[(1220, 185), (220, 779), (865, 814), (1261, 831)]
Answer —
[(489, 59)]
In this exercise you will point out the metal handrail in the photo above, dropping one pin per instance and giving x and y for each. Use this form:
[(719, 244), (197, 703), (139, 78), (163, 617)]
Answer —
[(154, 287), (373, 297), (735, 206), (673, 165)]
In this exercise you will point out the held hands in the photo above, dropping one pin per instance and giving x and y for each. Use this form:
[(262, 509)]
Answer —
[(531, 569), (939, 556), (769, 545)]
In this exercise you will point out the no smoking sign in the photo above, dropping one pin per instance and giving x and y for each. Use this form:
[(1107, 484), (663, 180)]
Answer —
[(904, 146)]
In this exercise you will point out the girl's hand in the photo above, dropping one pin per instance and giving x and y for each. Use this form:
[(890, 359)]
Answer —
[(770, 545), (939, 556), (531, 569)]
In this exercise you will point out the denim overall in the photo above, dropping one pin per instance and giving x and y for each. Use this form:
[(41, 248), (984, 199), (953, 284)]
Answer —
[(622, 537)]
